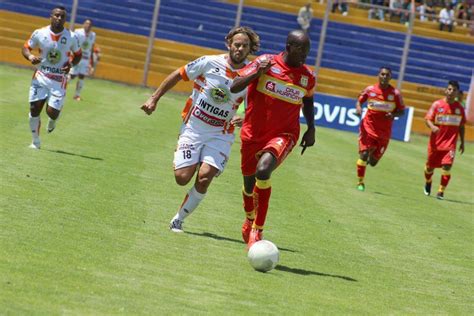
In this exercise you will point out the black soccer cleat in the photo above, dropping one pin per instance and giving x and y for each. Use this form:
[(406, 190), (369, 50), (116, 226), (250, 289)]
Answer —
[(427, 189)]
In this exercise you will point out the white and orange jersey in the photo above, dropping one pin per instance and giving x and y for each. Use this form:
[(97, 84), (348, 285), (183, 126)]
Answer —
[(86, 42), (211, 105), (54, 49)]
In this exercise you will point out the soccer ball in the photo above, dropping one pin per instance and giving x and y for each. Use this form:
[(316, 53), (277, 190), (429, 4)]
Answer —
[(263, 255)]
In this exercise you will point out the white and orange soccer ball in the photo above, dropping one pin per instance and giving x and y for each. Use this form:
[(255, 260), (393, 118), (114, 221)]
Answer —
[(263, 255)]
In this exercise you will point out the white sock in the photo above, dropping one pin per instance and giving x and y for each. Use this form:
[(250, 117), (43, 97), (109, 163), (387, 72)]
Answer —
[(191, 201), (79, 86), (35, 123)]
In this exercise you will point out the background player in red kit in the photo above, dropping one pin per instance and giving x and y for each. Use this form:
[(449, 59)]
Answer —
[(384, 103), (446, 119), (278, 85)]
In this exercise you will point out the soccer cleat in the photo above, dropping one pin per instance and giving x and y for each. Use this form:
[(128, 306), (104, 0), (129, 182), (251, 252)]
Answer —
[(77, 98), (427, 189), (440, 195), (246, 228), (255, 235), (361, 186), (35, 145), (176, 226), (51, 125)]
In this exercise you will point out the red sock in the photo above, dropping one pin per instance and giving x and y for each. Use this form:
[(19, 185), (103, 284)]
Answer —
[(445, 177), (361, 166), (249, 206), (262, 192), (428, 175)]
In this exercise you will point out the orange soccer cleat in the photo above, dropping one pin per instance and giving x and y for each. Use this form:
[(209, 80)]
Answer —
[(255, 235), (246, 228)]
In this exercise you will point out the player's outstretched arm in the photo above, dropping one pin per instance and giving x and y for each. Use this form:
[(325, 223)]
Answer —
[(461, 136), (150, 105), (358, 108)]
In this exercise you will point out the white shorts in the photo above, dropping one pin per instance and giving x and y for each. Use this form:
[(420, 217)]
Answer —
[(82, 68), (211, 149), (51, 87)]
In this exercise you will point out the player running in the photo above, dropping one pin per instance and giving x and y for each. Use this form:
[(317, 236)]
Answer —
[(278, 85), (55, 44), (446, 119), (209, 117), (86, 38), (384, 104)]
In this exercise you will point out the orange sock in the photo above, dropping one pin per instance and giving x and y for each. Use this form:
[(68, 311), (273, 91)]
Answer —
[(249, 206), (361, 166), (262, 192)]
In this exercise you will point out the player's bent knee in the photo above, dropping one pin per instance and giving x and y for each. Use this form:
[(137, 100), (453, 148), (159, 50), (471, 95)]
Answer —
[(182, 179)]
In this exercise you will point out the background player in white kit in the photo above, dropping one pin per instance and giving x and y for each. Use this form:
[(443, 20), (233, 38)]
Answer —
[(208, 117), (86, 38), (55, 44)]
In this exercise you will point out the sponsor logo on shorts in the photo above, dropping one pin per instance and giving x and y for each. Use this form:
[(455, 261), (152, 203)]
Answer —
[(186, 147)]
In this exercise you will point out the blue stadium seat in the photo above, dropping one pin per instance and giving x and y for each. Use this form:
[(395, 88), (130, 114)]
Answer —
[(348, 47)]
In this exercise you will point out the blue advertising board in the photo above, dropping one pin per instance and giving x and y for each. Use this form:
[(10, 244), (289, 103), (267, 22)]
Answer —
[(339, 113)]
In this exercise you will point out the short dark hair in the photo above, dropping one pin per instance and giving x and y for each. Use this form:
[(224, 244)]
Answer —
[(60, 7), (90, 20), (254, 38), (387, 68), (455, 84)]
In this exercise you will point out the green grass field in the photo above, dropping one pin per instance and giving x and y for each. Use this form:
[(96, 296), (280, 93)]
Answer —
[(84, 221)]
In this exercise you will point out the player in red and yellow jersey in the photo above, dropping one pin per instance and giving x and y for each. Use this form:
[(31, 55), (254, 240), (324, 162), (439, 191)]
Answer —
[(446, 119), (278, 86), (384, 103)]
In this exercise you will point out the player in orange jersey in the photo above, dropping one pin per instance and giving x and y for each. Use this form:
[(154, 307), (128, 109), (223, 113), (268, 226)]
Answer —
[(207, 132), (278, 86), (384, 103), (54, 43), (446, 119)]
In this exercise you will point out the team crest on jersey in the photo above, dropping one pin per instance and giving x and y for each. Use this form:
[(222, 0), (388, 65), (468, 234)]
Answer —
[(63, 40), (457, 111), (390, 97), (53, 56), (219, 95), (85, 45), (304, 81)]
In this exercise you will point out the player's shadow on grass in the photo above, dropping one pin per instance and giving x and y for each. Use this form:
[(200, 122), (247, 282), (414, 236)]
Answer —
[(239, 241), (73, 154), (432, 197), (307, 272)]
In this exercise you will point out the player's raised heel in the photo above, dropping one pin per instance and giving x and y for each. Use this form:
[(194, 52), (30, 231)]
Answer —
[(246, 228), (176, 226), (427, 189), (440, 195), (35, 145), (51, 125)]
